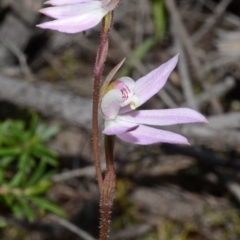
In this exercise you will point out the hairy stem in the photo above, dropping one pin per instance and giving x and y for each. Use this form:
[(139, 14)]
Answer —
[(108, 188), (98, 70)]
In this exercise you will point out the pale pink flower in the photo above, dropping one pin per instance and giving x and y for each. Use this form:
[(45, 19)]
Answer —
[(124, 95), (74, 16)]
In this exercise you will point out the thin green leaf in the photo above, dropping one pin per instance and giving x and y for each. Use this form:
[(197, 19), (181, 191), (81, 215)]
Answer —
[(23, 162), (48, 206), (159, 18), (40, 150), (9, 199), (40, 188), (24, 167), (17, 180), (2, 176), (49, 132), (33, 124), (40, 129), (26, 208), (10, 151), (51, 161), (49, 175), (5, 161), (39, 171), (17, 210)]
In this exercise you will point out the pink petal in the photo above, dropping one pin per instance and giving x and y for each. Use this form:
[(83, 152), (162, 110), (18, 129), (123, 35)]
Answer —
[(115, 127), (110, 104), (76, 24), (71, 10), (144, 135), (163, 117), (65, 2), (150, 84)]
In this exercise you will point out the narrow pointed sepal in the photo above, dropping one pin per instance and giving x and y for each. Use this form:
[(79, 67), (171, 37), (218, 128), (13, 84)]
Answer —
[(150, 84), (65, 2), (144, 135), (75, 24), (164, 117)]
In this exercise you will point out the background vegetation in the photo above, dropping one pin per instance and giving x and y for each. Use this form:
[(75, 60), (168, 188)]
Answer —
[(47, 183)]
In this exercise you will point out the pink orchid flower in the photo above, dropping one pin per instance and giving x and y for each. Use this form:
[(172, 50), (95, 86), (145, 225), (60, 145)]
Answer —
[(74, 16), (124, 95)]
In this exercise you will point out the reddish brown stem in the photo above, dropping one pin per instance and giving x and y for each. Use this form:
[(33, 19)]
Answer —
[(108, 188), (98, 70)]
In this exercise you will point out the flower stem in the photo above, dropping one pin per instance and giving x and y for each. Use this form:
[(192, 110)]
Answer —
[(108, 188), (98, 70), (106, 185)]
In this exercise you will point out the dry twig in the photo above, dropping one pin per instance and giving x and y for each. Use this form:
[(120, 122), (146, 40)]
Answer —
[(184, 73), (71, 227), (217, 90), (47, 100), (211, 21), (15, 50), (186, 40), (81, 172)]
